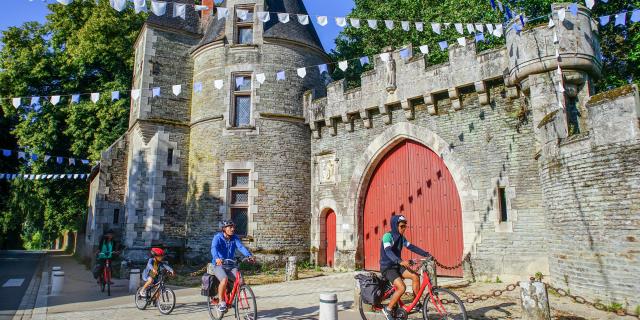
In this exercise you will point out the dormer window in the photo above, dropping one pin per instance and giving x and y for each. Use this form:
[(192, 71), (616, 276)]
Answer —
[(244, 25)]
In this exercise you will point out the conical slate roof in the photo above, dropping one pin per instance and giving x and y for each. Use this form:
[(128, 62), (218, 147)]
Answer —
[(292, 31)]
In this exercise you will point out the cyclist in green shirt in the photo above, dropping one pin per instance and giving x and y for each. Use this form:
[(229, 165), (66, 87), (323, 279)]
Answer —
[(107, 249)]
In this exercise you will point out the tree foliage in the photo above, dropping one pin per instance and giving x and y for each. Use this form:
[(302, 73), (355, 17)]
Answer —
[(620, 46), (82, 47)]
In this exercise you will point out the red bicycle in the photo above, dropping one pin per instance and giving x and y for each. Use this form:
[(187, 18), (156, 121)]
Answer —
[(438, 303), (238, 295), (104, 280)]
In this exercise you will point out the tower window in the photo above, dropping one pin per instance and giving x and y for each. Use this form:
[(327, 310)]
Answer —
[(241, 114), (502, 198), (239, 201), (573, 116), (170, 157), (116, 216), (244, 25)]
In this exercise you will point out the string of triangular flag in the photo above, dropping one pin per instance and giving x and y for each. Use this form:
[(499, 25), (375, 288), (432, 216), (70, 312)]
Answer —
[(32, 156), (46, 176), (480, 30)]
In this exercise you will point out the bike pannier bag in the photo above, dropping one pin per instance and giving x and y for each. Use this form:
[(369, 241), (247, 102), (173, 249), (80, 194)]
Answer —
[(209, 286), (371, 288)]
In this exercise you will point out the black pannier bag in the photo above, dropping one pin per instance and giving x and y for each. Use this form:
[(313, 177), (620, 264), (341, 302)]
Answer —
[(209, 286), (372, 288)]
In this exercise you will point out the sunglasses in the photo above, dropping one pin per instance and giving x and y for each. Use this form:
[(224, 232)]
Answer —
[(402, 226)]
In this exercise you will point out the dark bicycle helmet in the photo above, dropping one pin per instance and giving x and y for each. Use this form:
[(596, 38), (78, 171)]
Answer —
[(226, 223)]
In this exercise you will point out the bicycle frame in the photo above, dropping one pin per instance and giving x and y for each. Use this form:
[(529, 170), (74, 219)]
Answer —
[(426, 284), (106, 271), (228, 298)]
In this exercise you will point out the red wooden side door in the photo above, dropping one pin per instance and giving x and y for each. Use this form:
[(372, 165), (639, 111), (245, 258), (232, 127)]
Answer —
[(412, 180), (330, 235)]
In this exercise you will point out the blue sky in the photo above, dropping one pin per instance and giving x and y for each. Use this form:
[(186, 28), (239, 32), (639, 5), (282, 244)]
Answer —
[(16, 12)]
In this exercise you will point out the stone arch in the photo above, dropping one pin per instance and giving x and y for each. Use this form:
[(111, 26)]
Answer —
[(378, 148)]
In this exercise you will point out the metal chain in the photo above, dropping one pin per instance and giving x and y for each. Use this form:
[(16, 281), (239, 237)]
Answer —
[(597, 305), (452, 267), (199, 272), (494, 294)]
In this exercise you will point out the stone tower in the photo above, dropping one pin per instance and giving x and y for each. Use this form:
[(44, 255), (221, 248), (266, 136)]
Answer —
[(249, 149)]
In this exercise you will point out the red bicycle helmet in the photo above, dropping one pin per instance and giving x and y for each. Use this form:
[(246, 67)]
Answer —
[(157, 252)]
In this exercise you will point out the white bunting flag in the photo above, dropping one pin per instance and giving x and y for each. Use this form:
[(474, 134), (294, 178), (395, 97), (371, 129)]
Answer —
[(373, 24), (155, 92), (462, 41), (264, 16), (405, 25), (560, 87), (16, 102), (198, 7), (261, 77), (389, 24), (302, 72), (21, 155), (322, 20), (118, 5), (499, 31), (222, 13), (490, 28), (177, 89), (159, 8), (343, 65), (562, 14), (218, 84), (65, 2), (303, 19), (72, 161), (341, 22), (140, 6), (179, 10), (590, 3), (459, 28), (355, 23), (49, 176), (242, 14), (551, 23), (75, 176), (135, 94), (283, 17), (115, 95), (55, 100), (436, 27), (555, 37), (559, 71), (420, 26), (95, 96), (470, 28), (424, 49), (46, 158), (280, 75), (479, 27), (34, 101), (557, 53), (385, 56)]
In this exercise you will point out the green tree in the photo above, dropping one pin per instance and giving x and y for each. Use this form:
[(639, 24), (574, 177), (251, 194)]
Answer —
[(82, 47), (620, 46)]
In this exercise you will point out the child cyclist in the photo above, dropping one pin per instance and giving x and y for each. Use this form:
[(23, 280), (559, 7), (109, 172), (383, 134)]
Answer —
[(155, 265)]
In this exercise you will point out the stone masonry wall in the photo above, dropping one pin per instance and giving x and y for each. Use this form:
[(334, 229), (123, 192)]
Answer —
[(591, 194), (486, 141)]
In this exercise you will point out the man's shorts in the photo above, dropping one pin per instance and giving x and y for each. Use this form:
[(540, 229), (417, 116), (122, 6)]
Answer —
[(393, 273), (222, 272)]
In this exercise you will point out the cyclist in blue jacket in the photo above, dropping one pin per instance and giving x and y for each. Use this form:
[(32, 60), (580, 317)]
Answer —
[(223, 247)]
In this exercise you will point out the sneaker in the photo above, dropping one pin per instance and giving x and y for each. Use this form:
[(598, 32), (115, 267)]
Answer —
[(222, 307), (418, 307), (388, 314)]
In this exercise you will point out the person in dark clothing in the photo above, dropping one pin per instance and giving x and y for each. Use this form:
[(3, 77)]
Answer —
[(393, 268)]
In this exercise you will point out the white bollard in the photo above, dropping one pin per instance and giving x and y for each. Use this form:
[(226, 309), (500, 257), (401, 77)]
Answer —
[(57, 282), (56, 268), (328, 306), (134, 280)]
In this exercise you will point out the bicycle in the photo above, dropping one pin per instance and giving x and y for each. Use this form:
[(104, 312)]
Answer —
[(164, 298), (104, 279), (238, 295), (433, 305)]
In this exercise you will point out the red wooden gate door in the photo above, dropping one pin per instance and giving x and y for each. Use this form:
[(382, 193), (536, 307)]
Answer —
[(412, 180), (330, 235)]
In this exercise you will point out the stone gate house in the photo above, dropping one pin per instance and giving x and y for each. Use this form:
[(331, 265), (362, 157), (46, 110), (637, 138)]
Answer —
[(493, 154)]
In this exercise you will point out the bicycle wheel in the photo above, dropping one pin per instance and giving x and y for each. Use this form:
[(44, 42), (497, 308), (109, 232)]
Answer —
[(369, 312), (245, 302), (166, 301), (212, 305), (107, 280), (102, 285), (444, 304), (140, 301)]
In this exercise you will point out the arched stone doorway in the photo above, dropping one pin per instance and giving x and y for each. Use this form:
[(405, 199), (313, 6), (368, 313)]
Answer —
[(414, 181)]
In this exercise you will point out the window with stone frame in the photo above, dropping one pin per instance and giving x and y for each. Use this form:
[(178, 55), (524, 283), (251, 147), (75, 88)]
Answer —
[(241, 108), (244, 25), (239, 200), (573, 116), (503, 214)]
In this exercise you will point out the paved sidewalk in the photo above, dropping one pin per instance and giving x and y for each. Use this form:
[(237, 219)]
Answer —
[(81, 298)]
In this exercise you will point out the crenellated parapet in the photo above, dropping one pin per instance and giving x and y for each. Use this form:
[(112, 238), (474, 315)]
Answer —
[(402, 82)]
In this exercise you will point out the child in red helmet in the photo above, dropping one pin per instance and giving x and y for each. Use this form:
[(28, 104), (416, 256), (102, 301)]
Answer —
[(153, 269)]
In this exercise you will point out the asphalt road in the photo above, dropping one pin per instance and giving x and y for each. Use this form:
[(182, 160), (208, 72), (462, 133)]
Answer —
[(16, 270)]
